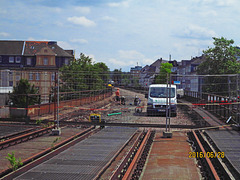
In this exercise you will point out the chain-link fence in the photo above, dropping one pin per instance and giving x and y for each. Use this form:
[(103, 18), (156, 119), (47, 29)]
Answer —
[(116, 96)]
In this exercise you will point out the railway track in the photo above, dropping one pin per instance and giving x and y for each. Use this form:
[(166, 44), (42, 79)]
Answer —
[(16, 134), (208, 159), (23, 137), (132, 163), (47, 154), (85, 159), (130, 167)]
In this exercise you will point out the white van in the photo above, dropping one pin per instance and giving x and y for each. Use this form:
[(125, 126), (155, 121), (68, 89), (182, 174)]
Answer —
[(157, 96)]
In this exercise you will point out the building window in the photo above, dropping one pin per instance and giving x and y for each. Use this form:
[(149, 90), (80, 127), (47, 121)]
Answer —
[(11, 59), (66, 61), (53, 77), (37, 76), (18, 59), (29, 61), (45, 61), (10, 76), (18, 78), (30, 76), (11, 83), (0, 59)]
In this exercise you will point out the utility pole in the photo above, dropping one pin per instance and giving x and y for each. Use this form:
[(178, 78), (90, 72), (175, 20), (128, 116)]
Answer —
[(56, 130), (167, 133), (55, 96), (238, 99), (58, 102), (229, 93)]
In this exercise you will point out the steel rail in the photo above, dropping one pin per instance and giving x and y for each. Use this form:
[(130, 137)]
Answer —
[(129, 124), (136, 157), (47, 154), (222, 172), (114, 157), (4, 138), (213, 170), (24, 137), (120, 168)]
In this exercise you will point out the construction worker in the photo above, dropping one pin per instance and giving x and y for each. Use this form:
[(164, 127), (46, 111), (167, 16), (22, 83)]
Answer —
[(117, 93)]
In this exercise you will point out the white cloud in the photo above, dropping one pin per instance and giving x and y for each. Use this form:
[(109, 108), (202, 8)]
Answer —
[(217, 2), (81, 21), (191, 48), (64, 45), (120, 4), (92, 57), (60, 24), (148, 61), (209, 13), (132, 54), (4, 34), (129, 59), (197, 32), (3, 10), (81, 41), (226, 3), (141, 30), (108, 18), (31, 39), (56, 9), (198, 43), (118, 62), (84, 10)]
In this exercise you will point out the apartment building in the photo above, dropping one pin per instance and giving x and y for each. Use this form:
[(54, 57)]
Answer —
[(187, 74), (37, 61)]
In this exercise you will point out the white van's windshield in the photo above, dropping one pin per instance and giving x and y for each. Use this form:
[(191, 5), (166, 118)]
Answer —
[(161, 92)]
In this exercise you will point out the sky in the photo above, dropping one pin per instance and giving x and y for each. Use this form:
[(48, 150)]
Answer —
[(123, 34)]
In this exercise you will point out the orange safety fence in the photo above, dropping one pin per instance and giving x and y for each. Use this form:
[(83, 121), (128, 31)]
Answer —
[(48, 108)]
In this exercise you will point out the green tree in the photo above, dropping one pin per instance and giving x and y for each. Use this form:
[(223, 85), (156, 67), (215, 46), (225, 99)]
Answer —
[(83, 74), (117, 76), (126, 79), (165, 69), (75, 76), (103, 71), (220, 59), (24, 94)]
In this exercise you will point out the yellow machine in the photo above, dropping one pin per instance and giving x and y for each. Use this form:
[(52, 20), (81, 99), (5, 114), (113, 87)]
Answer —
[(95, 117)]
